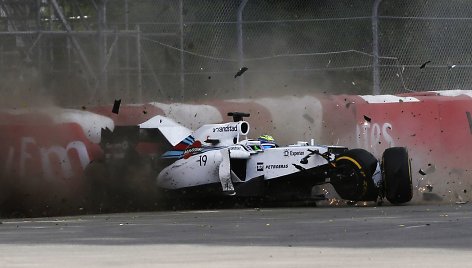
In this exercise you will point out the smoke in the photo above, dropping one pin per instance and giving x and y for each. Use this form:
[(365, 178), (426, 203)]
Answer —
[(57, 74), (24, 90)]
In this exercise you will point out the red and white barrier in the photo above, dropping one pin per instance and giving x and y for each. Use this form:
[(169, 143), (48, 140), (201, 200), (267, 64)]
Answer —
[(45, 151)]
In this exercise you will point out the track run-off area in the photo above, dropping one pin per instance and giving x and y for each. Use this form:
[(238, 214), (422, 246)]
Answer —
[(389, 236)]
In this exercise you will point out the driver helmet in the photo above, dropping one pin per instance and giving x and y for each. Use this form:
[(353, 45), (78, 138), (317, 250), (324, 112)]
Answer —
[(267, 141)]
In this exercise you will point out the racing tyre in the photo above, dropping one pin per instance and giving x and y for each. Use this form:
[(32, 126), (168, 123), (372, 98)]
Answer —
[(354, 181), (397, 180)]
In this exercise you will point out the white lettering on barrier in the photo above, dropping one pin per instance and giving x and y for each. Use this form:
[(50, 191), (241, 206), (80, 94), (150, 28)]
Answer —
[(24, 155), (370, 136), (28, 145), (62, 154), (388, 139)]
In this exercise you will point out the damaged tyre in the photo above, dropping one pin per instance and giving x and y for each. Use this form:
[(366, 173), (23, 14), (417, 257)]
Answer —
[(397, 180)]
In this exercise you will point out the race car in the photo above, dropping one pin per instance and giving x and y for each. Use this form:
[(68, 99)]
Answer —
[(220, 159)]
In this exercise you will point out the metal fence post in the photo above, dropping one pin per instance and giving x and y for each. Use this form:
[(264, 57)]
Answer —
[(102, 47), (240, 46), (127, 61), (182, 66), (140, 75), (375, 48)]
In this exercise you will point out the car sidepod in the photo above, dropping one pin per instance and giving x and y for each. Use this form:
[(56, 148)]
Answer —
[(197, 170), (283, 173)]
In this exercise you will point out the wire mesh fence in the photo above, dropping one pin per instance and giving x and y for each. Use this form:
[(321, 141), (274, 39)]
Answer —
[(80, 52), (437, 33)]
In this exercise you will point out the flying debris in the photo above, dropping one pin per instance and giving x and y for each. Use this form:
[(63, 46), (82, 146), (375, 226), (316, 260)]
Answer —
[(366, 118), (424, 64), (429, 187), (422, 172), (241, 71), (451, 67), (116, 106)]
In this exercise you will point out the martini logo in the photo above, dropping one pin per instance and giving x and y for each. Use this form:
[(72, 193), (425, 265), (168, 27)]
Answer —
[(193, 149), (260, 166)]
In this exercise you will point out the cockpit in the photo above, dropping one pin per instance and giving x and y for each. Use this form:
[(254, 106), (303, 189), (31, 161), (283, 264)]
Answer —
[(257, 146)]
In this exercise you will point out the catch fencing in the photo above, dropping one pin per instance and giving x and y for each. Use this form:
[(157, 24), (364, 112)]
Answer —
[(86, 52)]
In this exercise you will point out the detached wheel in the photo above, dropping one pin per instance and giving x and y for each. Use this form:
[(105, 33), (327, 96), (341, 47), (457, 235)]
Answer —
[(397, 180), (354, 175)]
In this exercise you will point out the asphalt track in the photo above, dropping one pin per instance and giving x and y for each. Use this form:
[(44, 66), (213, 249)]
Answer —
[(388, 236)]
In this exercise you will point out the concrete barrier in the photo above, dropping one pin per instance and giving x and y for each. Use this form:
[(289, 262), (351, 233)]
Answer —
[(44, 151)]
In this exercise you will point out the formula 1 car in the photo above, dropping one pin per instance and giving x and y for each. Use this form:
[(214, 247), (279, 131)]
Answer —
[(219, 158)]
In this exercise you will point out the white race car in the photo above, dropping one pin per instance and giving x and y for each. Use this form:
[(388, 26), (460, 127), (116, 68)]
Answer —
[(219, 158)]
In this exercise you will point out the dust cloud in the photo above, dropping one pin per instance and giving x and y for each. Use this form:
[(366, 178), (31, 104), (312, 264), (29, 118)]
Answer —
[(276, 77)]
